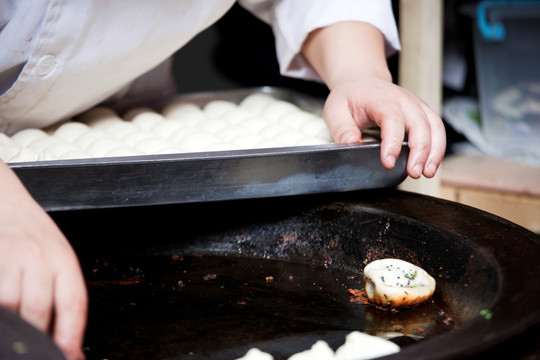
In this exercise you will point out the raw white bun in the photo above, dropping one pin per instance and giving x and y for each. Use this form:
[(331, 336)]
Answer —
[(86, 139), (71, 130), (42, 143), (360, 346), (256, 354), (131, 114), (24, 137), (10, 151), (179, 109), (259, 121), (147, 120), (96, 116), (256, 103), (218, 108), (278, 109), (397, 283), (319, 351)]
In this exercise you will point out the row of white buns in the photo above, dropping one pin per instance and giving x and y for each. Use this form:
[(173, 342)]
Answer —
[(258, 121), (357, 346)]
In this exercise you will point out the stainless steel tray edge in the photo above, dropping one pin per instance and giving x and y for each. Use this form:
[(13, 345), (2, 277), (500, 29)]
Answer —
[(211, 176)]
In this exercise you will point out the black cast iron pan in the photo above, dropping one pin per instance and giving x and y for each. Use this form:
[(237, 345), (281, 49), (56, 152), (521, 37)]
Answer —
[(484, 265)]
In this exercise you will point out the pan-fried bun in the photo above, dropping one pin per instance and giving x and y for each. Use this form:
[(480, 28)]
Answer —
[(397, 283)]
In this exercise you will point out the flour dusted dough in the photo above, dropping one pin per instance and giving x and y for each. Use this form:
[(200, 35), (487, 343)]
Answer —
[(357, 346), (10, 151), (257, 103), (289, 136), (256, 354), (97, 116), (248, 141), (40, 144), (198, 141), (278, 109), (214, 125), (218, 108), (298, 118), (86, 139), (132, 113), (312, 141), (397, 283), (75, 154), (123, 151), (237, 116), (119, 129), (155, 145), (166, 128), (146, 120), (313, 126), (180, 109), (362, 346), (102, 146), (135, 137), (70, 131), (256, 124), (62, 147), (272, 129), (319, 351), (258, 121), (228, 134), (24, 137)]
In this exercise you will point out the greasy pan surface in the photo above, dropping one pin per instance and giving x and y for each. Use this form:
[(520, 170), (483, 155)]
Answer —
[(480, 261)]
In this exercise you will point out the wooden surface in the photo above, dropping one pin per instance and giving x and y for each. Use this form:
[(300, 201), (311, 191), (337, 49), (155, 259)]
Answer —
[(420, 65), (504, 188), (491, 174)]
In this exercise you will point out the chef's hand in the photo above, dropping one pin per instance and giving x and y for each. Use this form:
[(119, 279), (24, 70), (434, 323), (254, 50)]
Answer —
[(40, 276), (350, 58)]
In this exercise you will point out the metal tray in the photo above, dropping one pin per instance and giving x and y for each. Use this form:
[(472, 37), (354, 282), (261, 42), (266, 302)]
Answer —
[(209, 176)]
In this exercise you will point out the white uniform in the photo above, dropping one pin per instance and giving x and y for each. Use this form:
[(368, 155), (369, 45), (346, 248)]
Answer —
[(59, 58)]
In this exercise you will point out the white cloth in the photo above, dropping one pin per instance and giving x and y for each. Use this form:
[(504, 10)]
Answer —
[(60, 57)]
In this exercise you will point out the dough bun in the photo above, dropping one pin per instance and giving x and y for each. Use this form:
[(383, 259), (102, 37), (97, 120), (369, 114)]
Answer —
[(397, 283)]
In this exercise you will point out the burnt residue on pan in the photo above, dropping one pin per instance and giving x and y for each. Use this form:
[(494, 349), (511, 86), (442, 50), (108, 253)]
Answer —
[(161, 307), (145, 300)]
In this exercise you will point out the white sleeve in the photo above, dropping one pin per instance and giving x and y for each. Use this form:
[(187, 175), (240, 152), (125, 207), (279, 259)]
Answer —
[(293, 20)]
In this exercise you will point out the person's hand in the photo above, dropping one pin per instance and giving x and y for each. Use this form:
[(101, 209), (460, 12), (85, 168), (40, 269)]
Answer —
[(350, 58), (40, 276), (364, 102)]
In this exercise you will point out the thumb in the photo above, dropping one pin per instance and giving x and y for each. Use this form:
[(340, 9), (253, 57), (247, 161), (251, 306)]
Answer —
[(340, 122)]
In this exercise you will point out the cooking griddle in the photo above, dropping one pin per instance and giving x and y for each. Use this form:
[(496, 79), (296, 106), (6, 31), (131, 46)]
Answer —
[(210, 176), (486, 268)]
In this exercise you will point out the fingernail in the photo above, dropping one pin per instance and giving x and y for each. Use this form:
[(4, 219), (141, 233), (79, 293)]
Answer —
[(391, 160), (350, 138), (417, 169), (432, 168)]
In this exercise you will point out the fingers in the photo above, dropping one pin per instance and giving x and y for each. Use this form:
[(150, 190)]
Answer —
[(27, 290), (38, 282), (418, 128), (10, 289), (36, 300), (39, 272), (438, 143), (396, 113), (426, 136), (340, 121), (392, 134), (71, 309)]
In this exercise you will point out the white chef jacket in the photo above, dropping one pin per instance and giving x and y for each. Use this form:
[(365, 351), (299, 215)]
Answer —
[(61, 57)]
